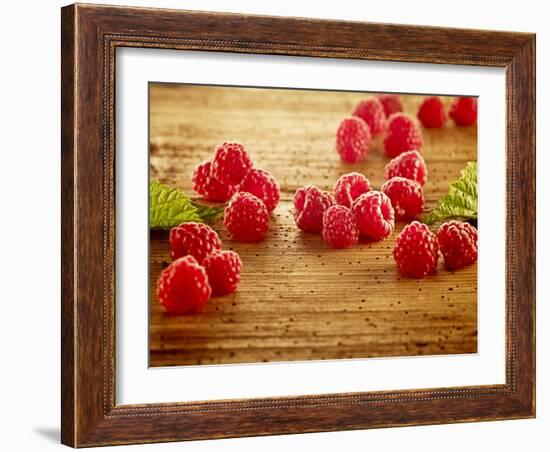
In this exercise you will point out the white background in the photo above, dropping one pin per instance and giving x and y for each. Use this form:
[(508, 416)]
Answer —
[(29, 106)]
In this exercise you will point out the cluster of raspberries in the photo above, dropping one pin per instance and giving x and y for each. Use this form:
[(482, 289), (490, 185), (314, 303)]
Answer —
[(383, 115), (432, 113), (380, 115), (200, 269), (354, 209), (417, 249), (253, 193)]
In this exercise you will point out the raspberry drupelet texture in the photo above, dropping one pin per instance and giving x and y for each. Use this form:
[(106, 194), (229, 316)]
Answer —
[(349, 187), (464, 111), (224, 271), (353, 140), (374, 215), (339, 227), (410, 165), (310, 204), (372, 112), (431, 112), (196, 239), (246, 218), (416, 251), (391, 103), (183, 287), (402, 135), (262, 185), (406, 195), (458, 244), (209, 187), (230, 163)]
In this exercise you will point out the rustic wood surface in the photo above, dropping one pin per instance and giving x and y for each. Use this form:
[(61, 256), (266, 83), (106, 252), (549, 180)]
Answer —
[(299, 299)]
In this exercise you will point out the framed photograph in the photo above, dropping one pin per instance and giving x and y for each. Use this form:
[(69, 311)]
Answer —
[(282, 225)]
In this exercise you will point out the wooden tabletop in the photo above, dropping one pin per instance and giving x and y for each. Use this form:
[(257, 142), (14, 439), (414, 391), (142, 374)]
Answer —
[(299, 299)]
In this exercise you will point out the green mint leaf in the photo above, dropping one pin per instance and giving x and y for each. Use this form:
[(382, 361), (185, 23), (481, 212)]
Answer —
[(169, 207), (461, 199)]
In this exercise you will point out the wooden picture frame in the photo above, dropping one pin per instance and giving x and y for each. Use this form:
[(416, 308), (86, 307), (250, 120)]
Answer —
[(90, 36)]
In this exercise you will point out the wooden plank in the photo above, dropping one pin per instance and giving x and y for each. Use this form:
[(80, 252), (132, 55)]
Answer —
[(299, 299)]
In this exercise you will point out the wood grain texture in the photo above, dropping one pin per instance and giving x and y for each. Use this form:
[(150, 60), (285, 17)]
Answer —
[(91, 34), (300, 299), (68, 330)]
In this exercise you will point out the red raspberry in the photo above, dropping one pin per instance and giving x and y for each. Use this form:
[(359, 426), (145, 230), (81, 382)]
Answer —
[(416, 251), (374, 215), (246, 218), (310, 204), (230, 163), (349, 187), (431, 113), (196, 239), (372, 112), (353, 140), (406, 195), (402, 135), (212, 190), (224, 271), (464, 111), (339, 227), (262, 185), (391, 103), (183, 287), (458, 244), (410, 165)]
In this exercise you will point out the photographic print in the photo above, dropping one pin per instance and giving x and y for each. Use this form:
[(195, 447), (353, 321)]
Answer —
[(295, 225)]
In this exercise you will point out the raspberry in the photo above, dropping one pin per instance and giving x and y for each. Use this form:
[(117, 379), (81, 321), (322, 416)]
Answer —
[(224, 271), (230, 163), (431, 112), (406, 195), (339, 227), (349, 187), (310, 204), (391, 103), (196, 239), (374, 215), (262, 185), (212, 190), (458, 244), (353, 140), (410, 165), (464, 111), (372, 112), (246, 218), (416, 251), (402, 135), (183, 287)]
